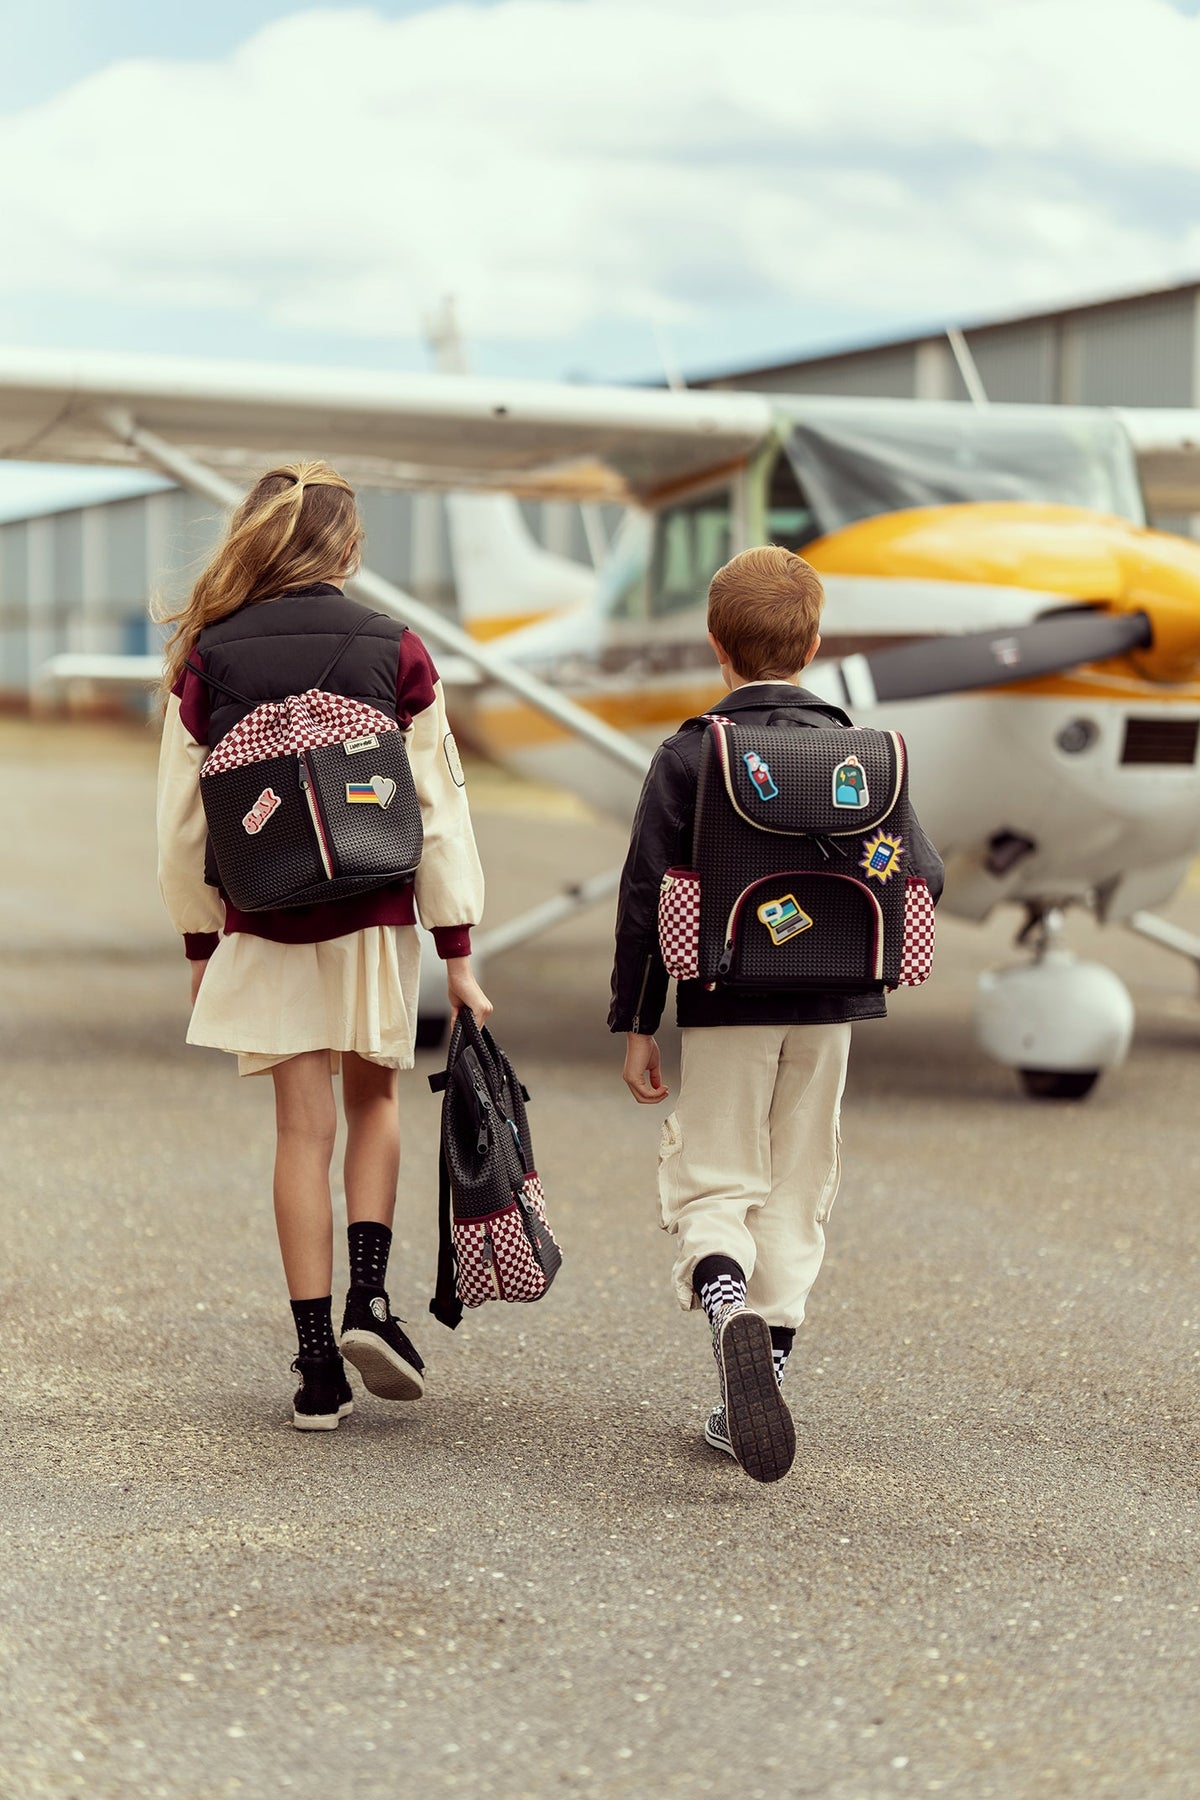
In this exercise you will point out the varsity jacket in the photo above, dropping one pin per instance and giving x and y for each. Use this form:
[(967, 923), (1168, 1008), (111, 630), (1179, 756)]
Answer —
[(278, 647), (662, 839)]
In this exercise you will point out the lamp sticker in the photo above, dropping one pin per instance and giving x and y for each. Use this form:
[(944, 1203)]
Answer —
[(881, 855), (850, 784), (784, 918), (760, 775)]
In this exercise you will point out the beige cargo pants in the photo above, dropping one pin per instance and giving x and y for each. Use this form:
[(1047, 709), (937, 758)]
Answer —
[(749, 1161)]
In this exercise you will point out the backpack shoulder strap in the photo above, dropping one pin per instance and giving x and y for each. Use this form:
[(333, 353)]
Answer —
[(212, 682), (327, 671)]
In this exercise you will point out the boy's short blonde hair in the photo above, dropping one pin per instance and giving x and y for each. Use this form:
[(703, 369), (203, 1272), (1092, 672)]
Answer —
[(764, 609)]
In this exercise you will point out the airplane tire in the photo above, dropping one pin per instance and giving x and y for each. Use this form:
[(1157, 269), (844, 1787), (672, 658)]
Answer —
[(431, 1030), (1058, 1084)]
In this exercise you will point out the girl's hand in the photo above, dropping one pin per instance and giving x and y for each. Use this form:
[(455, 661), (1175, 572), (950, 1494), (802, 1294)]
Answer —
[(197, 969), (464, 990), (643, 1069)]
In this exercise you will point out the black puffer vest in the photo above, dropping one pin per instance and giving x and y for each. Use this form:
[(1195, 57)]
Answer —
[(279, 647)]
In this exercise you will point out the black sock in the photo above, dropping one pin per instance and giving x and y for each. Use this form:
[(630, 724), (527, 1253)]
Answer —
[(782, 1339), (718, 1281), (369, 1246), (314, 1327)]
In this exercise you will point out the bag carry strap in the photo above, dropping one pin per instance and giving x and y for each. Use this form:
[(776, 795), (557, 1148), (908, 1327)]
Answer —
[(446, 1306), (245, 700)]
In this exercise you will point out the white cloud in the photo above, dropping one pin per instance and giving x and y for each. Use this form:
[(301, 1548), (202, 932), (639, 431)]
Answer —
[(559, 162)]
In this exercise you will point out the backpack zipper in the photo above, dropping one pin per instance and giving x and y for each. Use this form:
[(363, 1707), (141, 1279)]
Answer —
[(487, 1256), (310, 794), (731, 924)]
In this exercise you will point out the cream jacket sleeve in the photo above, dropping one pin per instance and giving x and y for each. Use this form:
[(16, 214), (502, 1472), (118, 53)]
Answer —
[(449, 882), (195, 909)]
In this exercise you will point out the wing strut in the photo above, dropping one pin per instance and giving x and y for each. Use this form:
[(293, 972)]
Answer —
[(368, 586)]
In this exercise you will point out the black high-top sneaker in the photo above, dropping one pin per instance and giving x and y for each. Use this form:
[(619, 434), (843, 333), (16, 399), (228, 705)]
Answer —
[(323, 1398), (384, 1356), (757, 1420)]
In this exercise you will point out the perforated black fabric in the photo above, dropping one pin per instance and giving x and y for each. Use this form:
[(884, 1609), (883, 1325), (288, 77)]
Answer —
[(260, 869), (369, 840), (804, 855)]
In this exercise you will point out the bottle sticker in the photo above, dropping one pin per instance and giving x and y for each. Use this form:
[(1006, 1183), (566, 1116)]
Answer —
[(760, 775)]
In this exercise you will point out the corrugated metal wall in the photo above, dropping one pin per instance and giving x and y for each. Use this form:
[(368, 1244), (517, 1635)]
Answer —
[(82, 579)]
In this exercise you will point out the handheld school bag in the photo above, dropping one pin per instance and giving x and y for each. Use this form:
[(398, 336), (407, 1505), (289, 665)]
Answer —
[(801, 875), (495, 1241), (309, 798)]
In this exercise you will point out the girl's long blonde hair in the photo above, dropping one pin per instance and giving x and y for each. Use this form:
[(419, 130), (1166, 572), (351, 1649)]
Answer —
[(298, 524)]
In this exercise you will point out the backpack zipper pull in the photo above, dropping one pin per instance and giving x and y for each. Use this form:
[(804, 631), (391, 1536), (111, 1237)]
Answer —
[(726, 962)]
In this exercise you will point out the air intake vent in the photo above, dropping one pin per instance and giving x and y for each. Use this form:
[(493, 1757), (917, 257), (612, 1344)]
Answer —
[(1160, 740)]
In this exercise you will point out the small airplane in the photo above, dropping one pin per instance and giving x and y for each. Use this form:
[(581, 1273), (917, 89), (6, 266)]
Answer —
[(993, 592)]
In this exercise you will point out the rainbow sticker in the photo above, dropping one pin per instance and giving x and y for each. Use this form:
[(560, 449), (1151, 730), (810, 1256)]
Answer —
[(379, 791)]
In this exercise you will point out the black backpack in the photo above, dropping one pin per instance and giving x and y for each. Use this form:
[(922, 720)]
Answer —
[(495, 1241), (309, 798), (800, 872)]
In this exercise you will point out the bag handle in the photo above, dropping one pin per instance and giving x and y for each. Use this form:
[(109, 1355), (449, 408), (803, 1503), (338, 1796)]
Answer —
[(445, 1306), (245, 700)]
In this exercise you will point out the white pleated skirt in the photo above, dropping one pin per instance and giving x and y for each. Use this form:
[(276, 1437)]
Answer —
[(264, 1002)]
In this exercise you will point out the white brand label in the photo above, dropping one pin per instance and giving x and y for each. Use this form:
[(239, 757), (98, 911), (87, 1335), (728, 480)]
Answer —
[(354, 746)]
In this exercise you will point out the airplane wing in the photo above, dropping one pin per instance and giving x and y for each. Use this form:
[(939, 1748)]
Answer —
[(1166, 441), (543, 440)]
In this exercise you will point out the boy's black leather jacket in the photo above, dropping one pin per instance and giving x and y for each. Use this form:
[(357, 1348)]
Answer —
[(662, 839)]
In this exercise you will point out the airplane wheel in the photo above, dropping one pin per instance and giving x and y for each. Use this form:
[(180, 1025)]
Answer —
[(1058, 1084), (431, 1030)]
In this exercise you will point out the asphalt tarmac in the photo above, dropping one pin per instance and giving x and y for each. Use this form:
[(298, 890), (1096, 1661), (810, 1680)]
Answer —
[(979, 1580)]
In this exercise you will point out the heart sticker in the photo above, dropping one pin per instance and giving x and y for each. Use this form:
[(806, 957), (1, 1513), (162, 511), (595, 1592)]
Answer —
[(384, 789)]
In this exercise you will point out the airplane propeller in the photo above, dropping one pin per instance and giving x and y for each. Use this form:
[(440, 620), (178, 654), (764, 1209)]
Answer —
[(984, 659)]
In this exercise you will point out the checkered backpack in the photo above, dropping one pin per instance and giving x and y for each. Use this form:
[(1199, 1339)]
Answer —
[(309, 798), (495, 1241), (800, 872)]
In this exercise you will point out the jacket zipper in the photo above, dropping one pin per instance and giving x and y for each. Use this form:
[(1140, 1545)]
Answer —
[(310, 794), (641, 999)]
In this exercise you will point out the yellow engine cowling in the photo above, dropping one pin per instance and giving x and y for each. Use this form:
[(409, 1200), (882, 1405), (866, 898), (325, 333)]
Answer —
[(1064, 550)]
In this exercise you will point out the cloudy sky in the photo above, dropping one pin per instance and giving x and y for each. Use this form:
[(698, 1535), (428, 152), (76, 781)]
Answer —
[(589, 177)]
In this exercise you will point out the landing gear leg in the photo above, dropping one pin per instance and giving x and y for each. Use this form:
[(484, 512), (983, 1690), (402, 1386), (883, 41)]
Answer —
[(1058, 1021)]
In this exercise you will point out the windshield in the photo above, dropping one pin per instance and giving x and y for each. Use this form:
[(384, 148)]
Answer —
[(856, 459)]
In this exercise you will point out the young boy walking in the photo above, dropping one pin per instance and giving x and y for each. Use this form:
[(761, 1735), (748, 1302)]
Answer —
[(749, 1160)]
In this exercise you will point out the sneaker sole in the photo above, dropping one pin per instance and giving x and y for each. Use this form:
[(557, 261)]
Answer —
[(760, 1425), (384, 1373), (321, 1421)]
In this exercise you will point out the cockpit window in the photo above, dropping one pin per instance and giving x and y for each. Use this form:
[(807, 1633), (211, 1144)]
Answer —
[(862, 459), (791, 522), (690, 545)]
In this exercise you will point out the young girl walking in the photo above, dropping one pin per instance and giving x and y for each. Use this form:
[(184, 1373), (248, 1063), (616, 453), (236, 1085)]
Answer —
[(302, 991)]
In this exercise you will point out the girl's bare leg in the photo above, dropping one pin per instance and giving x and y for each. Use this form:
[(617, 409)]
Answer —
[(305, 1128), (372, 1166)]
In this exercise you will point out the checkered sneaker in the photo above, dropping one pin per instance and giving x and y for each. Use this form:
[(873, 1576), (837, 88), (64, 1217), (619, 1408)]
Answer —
[(300, 722), (679, 923), (496, 1258), (920, 931)]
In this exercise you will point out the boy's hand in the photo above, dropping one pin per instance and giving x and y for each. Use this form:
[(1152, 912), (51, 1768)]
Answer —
[(643, 1069), (464, 990)]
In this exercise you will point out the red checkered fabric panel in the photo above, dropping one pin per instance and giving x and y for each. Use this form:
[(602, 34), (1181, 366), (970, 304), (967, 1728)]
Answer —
[(495, 1258), (301, 722), (920, 931), (679, 923)]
